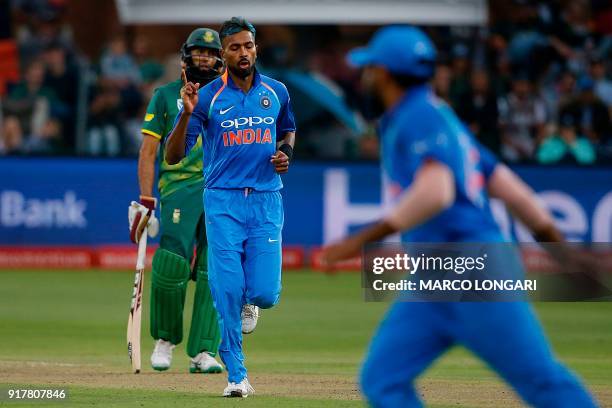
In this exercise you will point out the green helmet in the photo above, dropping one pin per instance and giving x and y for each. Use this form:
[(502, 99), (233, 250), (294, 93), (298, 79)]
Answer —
[(202, 38)]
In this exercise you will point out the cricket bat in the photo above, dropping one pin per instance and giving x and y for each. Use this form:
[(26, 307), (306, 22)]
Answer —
[(135, 317)]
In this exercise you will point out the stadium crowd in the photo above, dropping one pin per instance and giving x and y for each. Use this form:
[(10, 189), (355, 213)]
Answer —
[(534, 85)]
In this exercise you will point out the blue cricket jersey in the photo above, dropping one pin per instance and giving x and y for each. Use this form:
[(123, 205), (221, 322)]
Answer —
[(240, 132), (422, 127)]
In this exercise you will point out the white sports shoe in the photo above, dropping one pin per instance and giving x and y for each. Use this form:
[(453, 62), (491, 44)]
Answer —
[(249, 316), (242, 389), (162, 355), (204, 363)]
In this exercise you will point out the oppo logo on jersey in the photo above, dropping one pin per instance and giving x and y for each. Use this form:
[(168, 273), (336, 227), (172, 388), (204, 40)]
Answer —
[(250, 122)]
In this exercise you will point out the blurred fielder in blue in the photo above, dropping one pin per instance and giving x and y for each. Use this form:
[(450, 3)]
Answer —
[(441, 179)]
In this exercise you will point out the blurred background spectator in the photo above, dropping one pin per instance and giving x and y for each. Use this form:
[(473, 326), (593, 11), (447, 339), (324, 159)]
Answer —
[(566, 146), (116, 104), (522, 120), (28, 111), (558, 91), (104, 119), (533, 85), (62, 78), (603, 84), (477, 106), (12, 137), (589, 114), (459, 74), (118, 65), (151, 70), (442, 80)]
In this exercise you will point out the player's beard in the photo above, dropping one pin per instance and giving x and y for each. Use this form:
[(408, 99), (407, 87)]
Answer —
[(201, 76), (242, 72), (203, 73)]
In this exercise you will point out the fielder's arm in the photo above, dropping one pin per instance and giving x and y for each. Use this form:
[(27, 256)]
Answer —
[(175, 146), (432, 191), (523, 204), (585, 272)]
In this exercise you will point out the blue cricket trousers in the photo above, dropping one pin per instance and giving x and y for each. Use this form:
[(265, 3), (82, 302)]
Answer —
[(243, 228), (506, 335)]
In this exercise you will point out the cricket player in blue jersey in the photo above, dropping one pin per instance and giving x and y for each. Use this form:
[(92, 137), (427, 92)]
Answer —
[(248, 132), (443, 179)]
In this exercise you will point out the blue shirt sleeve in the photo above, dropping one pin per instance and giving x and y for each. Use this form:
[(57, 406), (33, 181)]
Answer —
[(488, 161), (286, 120), (427, 140), (196, 125), (197, 121), (441, 149)]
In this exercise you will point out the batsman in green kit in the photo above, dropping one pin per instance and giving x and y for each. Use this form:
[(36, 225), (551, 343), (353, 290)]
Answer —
[(182, 218)]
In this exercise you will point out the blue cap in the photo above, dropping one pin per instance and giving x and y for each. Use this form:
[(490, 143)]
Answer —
[(403, 50)]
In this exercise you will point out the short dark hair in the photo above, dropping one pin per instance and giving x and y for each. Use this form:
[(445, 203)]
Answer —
[(235, 25)]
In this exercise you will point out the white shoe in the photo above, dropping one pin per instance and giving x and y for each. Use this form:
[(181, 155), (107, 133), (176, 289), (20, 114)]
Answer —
[(242, 389), (162, 355), (204, 363), (249, 316)]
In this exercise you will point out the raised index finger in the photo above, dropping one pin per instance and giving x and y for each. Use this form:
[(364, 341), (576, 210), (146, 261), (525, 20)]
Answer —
[(183, 76)]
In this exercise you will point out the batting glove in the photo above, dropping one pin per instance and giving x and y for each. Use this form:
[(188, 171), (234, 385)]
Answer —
[(141, 215)]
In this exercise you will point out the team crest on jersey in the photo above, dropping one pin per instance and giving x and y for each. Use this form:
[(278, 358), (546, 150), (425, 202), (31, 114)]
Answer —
[(265, 102), (179, 104)]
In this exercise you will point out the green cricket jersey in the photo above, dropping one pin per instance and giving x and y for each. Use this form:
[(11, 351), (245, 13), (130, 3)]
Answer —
[(158, 122)]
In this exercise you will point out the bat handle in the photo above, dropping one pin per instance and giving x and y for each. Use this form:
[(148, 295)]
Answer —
[(142, 250)]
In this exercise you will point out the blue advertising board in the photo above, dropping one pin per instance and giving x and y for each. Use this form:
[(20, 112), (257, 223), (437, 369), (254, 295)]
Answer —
[(84, 201)]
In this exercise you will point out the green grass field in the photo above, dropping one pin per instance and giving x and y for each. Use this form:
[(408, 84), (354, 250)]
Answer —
[(67, 329)]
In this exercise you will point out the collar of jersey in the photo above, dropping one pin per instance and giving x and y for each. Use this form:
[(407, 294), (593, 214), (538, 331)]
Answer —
[(256, 81)]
